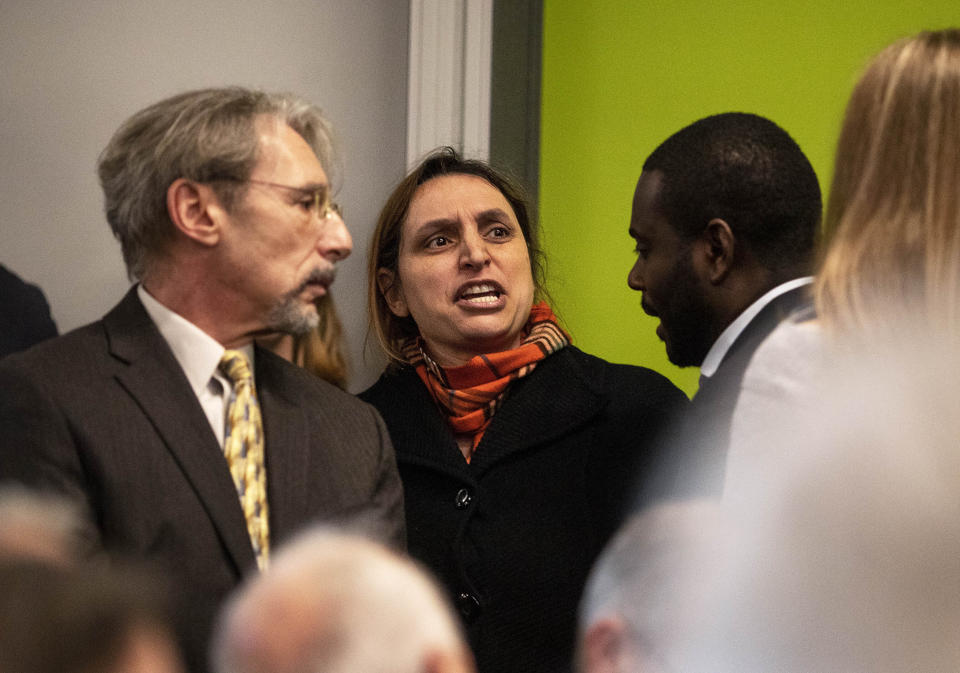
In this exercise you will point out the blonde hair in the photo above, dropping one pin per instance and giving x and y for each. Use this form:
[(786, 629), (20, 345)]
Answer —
[(322, 350), (892, 219)]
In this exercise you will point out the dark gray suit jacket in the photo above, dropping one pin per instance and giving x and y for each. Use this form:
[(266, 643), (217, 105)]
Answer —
[(698, 462), (105, 415)]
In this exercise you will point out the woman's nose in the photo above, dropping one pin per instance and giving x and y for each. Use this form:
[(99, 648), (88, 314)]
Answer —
[(473, 252)]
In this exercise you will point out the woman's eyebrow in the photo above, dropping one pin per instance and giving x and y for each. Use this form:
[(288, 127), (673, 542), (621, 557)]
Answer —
[(493, 214), (438, 223), (487, 215)]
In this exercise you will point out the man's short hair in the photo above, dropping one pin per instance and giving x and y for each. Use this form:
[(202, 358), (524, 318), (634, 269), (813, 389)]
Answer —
[(749, 172), (207, 135), (336, 603)]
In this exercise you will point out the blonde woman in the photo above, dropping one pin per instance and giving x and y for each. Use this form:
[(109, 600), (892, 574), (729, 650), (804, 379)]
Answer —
[(890, 275)]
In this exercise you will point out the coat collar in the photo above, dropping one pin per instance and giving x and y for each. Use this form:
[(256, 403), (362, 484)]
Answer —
[(764, 322), (555, 399), (751, 315), (550, 403), (417, 429)]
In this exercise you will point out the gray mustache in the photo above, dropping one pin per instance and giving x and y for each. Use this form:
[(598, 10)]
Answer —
[(321, 276)]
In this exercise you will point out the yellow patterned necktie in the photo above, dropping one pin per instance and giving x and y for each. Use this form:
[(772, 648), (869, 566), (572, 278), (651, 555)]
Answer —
[(243, 449)]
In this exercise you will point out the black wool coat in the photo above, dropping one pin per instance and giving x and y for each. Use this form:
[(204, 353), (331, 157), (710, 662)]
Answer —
[(512, 535)]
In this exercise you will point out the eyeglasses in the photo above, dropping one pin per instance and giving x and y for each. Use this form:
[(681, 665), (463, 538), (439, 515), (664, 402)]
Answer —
[(316, 200)]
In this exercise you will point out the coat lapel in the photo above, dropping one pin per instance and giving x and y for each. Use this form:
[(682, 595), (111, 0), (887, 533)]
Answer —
[(418, 430), (553, 401), (153, 377)]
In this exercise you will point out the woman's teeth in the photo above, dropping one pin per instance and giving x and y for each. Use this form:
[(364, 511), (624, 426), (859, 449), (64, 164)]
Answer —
[(481, 294)]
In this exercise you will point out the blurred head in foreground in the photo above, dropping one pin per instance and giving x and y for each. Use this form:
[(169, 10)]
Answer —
[(849, 522), (335, 603), (849, 545), (650, 588), (41, 526), (82, 619), (841, 558)]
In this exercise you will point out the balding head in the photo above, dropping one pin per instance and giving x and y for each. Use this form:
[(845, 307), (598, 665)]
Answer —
[(339, 604), (650, 588)]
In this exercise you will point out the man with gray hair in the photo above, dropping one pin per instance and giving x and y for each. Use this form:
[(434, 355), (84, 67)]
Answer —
[(337, 603), (651, 589), (182, 441)]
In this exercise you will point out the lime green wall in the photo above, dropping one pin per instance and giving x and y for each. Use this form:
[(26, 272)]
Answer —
[(621, 76)]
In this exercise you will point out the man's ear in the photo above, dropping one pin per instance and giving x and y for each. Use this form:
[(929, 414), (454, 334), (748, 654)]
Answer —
[(447, 661), (718, 247), (195, 211), (392, 292), (604, 646)]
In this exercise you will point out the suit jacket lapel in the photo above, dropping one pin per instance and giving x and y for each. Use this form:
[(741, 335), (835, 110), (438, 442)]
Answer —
[(287, 436), (760, 327), (706, 432), (153, 377)]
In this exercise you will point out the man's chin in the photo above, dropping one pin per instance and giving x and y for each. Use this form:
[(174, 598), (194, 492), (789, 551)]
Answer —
[(294, 317), (680, 357)]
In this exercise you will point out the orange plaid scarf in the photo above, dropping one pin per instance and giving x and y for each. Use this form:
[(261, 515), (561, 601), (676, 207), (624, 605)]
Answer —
[(470, 394)]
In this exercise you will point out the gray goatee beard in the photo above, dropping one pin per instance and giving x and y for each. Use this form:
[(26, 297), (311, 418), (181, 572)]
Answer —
[(291, 315)]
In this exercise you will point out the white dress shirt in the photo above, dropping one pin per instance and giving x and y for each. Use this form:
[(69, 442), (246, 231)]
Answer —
[(199, 355), (720, 347)]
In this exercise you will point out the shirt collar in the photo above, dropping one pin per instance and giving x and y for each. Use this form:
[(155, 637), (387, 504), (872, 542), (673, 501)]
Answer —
[(197, 352), (720, 347)]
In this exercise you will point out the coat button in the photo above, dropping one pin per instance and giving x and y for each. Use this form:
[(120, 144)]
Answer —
[(469, 607), (463, 498)]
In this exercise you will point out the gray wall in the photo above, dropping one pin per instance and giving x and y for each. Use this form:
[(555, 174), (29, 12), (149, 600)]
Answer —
[(71, 72)]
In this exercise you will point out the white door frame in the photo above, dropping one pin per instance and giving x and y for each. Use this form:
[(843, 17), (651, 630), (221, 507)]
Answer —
[(448, 90)]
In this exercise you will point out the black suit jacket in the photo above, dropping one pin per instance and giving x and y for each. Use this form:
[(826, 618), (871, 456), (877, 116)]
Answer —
[(105, 415), (513, 534), (24, 314), (704, 436)]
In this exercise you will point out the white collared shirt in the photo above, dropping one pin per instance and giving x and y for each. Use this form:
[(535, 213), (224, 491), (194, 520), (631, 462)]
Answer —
[(720, 347), (199, 356)]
